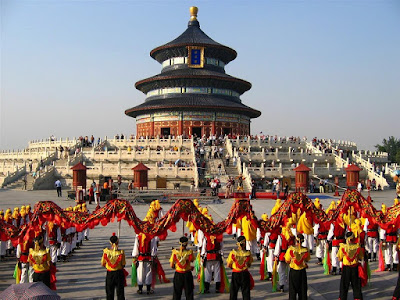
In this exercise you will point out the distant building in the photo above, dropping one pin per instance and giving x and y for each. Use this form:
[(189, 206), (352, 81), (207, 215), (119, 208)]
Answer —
[(193, 95)]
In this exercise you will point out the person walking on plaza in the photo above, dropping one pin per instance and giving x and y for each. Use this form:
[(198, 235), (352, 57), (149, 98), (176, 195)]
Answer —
[(253, 190), (297, 258), (350, 254), (181, 260), (240, 261), (113, 260), (58, 186)]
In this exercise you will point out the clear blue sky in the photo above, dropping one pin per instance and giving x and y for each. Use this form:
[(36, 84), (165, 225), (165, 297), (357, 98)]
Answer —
[(318, 68)]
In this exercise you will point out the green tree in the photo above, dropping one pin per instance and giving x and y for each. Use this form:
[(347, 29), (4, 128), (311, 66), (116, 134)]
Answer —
[(392, 147)]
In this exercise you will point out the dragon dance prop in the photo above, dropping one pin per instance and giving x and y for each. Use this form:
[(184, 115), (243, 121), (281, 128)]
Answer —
[(381, 260), (134, 274), (17, 273), (185, 209), (263, 266), (225, 285), (327, 263), (201, 280), (275, 276)]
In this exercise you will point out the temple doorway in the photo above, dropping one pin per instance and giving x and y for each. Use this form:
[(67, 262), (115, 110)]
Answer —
[(196, 131), (227, 131), (165, 131)]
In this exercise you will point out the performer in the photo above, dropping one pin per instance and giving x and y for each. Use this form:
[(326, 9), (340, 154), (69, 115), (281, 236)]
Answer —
[(391, 254), (372, 243), (53, 239), (3, 244), (320, 233), (336, 235), (144, 250), (350, 253), (270, 239), (114, 261), (250, 234), (212, 253), (9, 219), (396, 293), (22, 255), (39, 259), (285, 239), (297, 258), (240, 261), (183, 279)]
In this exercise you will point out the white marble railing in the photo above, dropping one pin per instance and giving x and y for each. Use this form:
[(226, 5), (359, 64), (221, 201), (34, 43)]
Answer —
[(145, 142), (24, 155), (144, 155), (249, 142), (125, 170), (287, 156), (369, 167), (52, 145), (196, 173), (390, 168), (12, 176)]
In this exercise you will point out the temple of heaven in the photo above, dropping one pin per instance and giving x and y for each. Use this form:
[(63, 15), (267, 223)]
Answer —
[(192, 95)]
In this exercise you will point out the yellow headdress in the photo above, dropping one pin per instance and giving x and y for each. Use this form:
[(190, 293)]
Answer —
[(384, 208), (276, 206), (395, 201), (157, 205), (316, 203), (331, 206), (196, 203), (356, 227), (204, 211), (264, 217), (149, 217)]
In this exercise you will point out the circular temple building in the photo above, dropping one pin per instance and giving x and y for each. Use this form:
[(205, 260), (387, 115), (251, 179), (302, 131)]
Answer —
[(193, 95)]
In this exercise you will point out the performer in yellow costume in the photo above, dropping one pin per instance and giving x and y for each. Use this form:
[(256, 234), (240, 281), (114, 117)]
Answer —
[(39, 258), (114, 261), (239, 261), (183, 279)]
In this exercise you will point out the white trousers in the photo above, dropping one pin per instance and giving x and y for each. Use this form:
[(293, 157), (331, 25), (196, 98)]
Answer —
[(282, 271), (65, 248), (144, 273), (372, 244), (53, 253), (320, 249), (212, 266), (308, 241), (26, 273), (334, 258), (391, 256), (3, 248), (270, 259), (252, 246)]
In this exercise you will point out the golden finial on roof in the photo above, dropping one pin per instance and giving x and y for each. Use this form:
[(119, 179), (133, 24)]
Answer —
[(193, 13)]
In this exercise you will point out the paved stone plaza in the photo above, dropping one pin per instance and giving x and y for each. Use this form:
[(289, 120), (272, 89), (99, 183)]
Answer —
[(83, 277)]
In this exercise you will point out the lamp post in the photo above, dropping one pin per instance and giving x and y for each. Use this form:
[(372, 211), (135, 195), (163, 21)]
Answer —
[(368, 182), (336, 186)]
